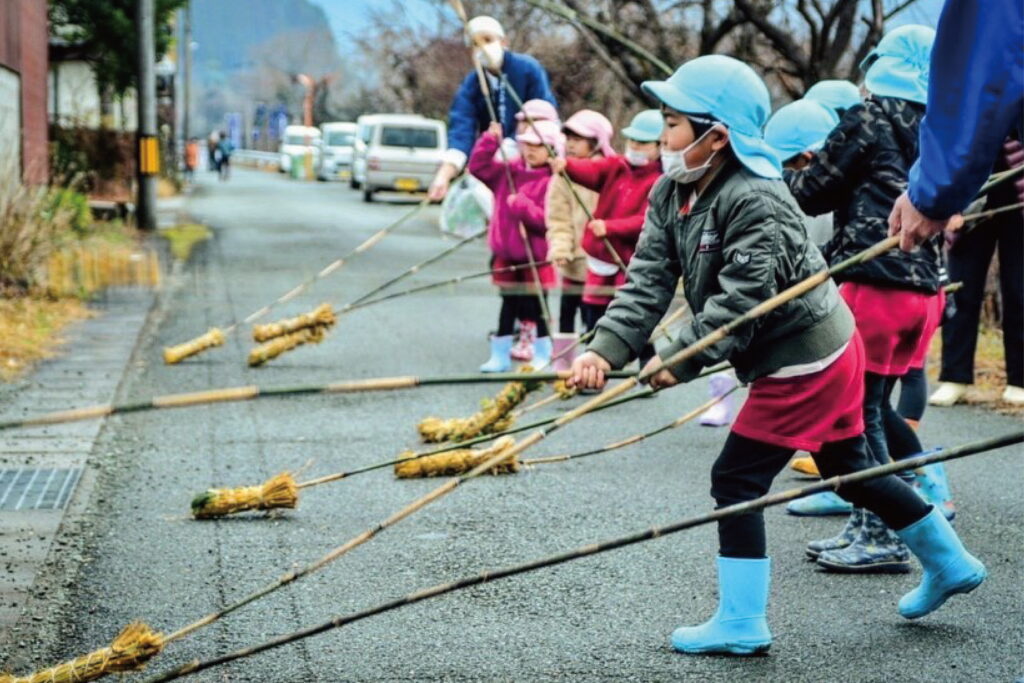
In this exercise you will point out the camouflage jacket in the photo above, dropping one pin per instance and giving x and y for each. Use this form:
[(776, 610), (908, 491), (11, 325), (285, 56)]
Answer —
[(858, 174), (742, 242)]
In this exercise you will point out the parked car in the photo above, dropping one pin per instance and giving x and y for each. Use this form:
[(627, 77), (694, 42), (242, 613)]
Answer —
[(336, 142), (298, 140), (364, 129), (403, 152)]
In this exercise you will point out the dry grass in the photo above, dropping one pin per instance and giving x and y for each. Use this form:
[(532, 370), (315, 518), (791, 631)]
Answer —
[(30, 330), (989, 371)]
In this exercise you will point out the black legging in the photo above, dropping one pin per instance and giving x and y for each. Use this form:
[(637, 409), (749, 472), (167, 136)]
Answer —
[(569, 304), (520, 307), (745, 469), (913, 395), (888, 434)]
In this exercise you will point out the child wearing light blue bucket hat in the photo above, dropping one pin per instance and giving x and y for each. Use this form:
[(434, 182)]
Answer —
[(858, 174), (835, 94), (724, 222)]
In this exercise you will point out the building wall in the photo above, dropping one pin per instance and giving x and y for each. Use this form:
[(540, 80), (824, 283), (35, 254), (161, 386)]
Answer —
[(74, 99), (23, 51)]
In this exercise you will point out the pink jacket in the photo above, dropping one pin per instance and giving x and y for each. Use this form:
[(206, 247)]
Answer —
[(531, 184)]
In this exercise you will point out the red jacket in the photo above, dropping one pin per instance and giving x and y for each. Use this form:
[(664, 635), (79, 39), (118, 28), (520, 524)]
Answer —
[(622, 204)]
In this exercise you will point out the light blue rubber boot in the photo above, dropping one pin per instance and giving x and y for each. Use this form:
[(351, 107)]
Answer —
[(542, 350), (819, 505), (500, 360), (931, 484), (740, 626), (948, 567)]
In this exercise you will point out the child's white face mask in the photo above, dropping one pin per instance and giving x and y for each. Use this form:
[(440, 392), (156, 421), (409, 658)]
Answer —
[(636, 157), (490, 55), (673, 164)]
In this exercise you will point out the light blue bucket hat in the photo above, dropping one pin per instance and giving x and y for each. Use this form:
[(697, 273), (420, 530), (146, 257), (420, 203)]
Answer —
[(899, 64), (834, 94), (645, 126), (798, 127), (730, 91)]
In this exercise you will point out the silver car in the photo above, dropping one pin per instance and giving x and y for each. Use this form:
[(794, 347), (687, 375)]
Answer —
[(336, 146), (403, 152)]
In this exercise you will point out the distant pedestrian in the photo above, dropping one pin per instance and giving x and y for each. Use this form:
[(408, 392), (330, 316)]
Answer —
[(224, 150), (191, 158), (212, 152)]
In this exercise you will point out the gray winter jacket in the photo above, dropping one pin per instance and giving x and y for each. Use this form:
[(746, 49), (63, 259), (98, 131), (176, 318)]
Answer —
[(743, 241)]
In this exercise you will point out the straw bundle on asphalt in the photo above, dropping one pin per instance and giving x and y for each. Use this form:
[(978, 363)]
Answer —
[(130, 651), (494, 416), (175, 354), (456, 462), (278, 492), (322, 316), (278, 345)]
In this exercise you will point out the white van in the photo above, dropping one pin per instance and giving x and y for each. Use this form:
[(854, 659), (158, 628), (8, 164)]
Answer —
[(403, 152), (298, 140), (364, 129), (336, 143)]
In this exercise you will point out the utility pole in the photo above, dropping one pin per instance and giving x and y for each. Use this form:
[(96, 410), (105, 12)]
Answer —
[(149, 146), (186, 76)]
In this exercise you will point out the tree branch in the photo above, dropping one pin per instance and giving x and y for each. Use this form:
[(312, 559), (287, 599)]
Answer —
[(783, 42)]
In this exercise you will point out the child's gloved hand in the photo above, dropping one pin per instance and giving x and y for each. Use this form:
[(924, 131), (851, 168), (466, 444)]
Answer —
[(598, 227), (661, 379), (589, 371), (557, 165)]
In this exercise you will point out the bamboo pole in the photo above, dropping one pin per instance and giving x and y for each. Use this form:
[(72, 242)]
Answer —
[(998, 178), (412, 270), (252, 391), (651, 533), (562, 174), (329, 269), (636, 438)]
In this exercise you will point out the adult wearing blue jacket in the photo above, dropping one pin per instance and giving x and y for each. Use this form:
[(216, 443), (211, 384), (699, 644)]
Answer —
[(469, 115), (975, 98)]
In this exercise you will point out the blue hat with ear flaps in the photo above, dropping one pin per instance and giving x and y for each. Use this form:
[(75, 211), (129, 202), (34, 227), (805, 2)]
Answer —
[(899, 64), (645, 126), (730, 91), (834, 94), (798, 127)]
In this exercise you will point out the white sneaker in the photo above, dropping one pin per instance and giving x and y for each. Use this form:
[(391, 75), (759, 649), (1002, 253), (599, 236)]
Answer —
[(1014, 395), (948, 394)]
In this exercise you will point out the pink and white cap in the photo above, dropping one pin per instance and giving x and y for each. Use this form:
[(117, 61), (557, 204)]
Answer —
[(588, 123), (539, 110), (550, 135)]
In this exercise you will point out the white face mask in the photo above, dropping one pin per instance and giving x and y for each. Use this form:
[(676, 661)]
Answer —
[(636, 157), (673, 164), (490, 55)]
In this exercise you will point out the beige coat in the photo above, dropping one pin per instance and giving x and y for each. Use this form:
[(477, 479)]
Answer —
[(566, 221)]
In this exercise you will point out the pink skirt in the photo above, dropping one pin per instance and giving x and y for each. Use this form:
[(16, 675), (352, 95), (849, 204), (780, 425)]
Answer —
[(935, 312), (891, 322), (522, 278), (805, 412)]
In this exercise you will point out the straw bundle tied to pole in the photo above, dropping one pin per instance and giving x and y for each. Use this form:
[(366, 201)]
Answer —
[(278, 492), (456, 462), (321, 316), (278, 345), (131, 651), (648, 534), (494, 415), (177, 352), (220, 510)]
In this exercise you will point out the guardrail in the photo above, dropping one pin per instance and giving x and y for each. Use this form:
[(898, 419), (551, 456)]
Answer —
[(255, 159)]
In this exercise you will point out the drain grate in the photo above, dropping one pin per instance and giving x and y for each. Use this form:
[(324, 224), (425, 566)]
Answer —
[(37, 488)]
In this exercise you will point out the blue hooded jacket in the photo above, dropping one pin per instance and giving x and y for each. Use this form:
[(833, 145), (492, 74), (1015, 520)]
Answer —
[(468, 116), (975, 98)]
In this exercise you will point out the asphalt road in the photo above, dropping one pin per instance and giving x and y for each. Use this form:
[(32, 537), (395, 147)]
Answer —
[(603, 618)]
